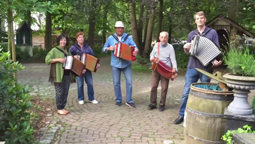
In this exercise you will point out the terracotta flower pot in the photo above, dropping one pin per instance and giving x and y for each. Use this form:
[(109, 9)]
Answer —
[(241, 87)]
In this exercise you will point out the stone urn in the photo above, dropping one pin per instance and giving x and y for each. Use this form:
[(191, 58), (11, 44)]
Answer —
[(241, 87)]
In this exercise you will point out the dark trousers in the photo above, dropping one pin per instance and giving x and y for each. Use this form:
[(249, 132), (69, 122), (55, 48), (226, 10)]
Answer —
[(155, 78), (62, 90)]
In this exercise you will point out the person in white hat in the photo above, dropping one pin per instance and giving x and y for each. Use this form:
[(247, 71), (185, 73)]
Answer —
[(121, 65)]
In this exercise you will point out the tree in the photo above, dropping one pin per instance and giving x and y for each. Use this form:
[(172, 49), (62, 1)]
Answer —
[(151, 6)]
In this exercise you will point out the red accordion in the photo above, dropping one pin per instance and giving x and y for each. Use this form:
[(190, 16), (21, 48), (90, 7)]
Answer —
[(163, 69), (73, 64), (124, 51), (90, 62)]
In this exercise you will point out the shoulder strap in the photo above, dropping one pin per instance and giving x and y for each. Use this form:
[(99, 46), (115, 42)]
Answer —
[(78, 48), (207, 31), (197, 33), (115, 37), (61, 51), (126, 37), (158, 49)]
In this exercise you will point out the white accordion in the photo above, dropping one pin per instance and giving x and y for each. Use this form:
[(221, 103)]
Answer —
[(204, 50)]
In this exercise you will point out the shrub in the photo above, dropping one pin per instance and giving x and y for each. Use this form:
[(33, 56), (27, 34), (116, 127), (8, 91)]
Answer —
[(229, 135), (240, 61), (181, 57), (15, 103), (39, 53)]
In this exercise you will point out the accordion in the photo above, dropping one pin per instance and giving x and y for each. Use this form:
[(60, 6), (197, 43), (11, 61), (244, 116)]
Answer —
[(204, 50), (124, 51), (163, 69), (90, 62), (74, 65)]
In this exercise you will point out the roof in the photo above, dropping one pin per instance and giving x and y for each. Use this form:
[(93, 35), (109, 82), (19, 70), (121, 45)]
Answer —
[(24, 24), (234, 24)]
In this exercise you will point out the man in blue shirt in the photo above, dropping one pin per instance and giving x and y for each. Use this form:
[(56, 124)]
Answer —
[(192, 75), (120, 65)]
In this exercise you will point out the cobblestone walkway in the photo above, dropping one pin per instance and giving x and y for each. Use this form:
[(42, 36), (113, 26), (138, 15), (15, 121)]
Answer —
[(105, 122)]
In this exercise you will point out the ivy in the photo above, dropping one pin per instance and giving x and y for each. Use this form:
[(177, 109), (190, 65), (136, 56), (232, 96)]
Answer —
[(228, 137)]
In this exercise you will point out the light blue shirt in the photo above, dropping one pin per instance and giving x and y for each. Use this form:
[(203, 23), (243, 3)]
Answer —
[(119, 62)]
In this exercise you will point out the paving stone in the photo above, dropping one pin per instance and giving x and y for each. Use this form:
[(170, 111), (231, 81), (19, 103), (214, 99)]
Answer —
[(105, 122)]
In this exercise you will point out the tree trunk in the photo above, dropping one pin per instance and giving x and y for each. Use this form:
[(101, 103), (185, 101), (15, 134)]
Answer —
[(11, 43), (145, 33), (140, 28), (147, 47), (28, 18), (134, 24), (233, 10), (160, 18), (48, 37), (92, 23), (9, 13), (170, 22), (104, 23)]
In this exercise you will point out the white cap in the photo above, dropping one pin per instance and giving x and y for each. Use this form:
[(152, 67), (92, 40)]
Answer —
[(119, 24)]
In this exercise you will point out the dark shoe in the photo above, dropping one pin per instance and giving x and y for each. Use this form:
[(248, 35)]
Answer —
[(151, 106), (118, 103), (161, 108), (132, 105), (178, 120)]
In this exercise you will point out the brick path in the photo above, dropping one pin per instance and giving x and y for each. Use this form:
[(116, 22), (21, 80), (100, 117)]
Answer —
[(105, 122)]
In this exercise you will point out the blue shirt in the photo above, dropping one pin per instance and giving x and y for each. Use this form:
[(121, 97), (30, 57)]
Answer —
[(213, 36), (118, 62)]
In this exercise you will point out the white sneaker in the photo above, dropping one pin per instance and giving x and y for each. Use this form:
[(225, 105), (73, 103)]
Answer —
[(81, 102), (94, 102)]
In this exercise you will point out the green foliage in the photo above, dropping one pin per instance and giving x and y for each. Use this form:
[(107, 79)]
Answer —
[(22, 55), (39, 53), (141, 64), (240, 61), (181, 57), (98, 51), (253, 104), (229, 135), (15, 119)]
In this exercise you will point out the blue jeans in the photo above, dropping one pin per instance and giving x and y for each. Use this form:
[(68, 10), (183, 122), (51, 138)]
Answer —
[(87, 76), (192, 76), (116, 83)]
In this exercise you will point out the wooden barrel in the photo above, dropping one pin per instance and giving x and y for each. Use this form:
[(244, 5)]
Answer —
[(204, 121)]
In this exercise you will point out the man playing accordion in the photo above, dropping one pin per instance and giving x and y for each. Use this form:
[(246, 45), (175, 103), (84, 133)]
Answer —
[(121, 65), (192, 75), (165, 53)]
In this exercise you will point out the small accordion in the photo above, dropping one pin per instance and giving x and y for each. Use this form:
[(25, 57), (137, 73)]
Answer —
[(90, 62), (124, 51), (74, 65), (204, 50), (163, 69)]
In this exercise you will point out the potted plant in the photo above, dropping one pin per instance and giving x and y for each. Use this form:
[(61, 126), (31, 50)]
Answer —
[(241, 63)]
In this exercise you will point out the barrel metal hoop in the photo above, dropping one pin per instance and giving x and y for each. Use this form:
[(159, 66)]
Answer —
[(205, 141), (211, 96), (205, 114), (225, 116)]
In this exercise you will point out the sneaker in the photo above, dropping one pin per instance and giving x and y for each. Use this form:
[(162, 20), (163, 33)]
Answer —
[(161, 108), (131, 105), (118, 103), (81, 102), (94, 102), (151, 106)]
